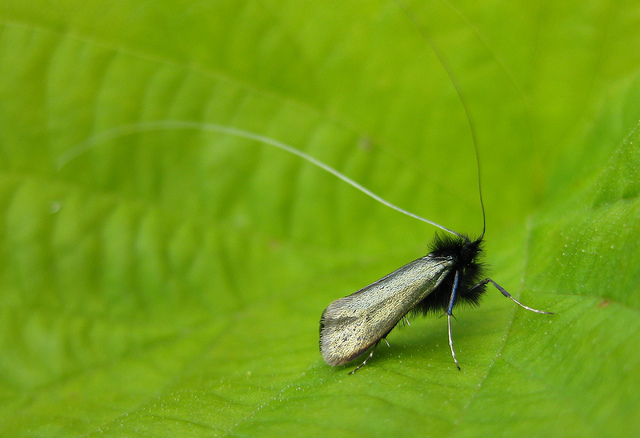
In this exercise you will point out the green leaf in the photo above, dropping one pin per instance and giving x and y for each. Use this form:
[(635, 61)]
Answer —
[(162, 277)]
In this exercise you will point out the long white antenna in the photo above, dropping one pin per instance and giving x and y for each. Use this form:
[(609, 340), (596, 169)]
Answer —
[(111, 134)]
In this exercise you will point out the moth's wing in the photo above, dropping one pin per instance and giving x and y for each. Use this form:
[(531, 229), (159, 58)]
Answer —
[(350, 325)]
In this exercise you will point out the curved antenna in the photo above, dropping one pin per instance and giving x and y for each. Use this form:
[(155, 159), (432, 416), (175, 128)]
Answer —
[(458, 89), (111, 134)]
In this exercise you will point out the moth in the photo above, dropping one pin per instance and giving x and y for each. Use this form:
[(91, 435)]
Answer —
[(448, 276)]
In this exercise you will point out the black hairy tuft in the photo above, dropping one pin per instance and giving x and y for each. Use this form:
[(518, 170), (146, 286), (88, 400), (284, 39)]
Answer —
[(466, 255)]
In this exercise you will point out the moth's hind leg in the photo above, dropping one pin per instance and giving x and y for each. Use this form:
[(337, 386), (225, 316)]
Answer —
[(368, 357)]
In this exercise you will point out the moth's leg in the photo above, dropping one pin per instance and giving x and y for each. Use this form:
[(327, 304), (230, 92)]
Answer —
[(508, 295), (452, 302), (368, 357)]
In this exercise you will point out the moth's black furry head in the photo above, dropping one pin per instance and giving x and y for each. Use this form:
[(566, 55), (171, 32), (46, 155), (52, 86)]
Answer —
[(466, 255)]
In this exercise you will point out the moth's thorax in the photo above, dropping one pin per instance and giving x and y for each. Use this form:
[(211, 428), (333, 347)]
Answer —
[(465, 255)]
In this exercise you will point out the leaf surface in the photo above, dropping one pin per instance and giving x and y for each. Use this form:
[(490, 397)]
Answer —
[(164, 278)]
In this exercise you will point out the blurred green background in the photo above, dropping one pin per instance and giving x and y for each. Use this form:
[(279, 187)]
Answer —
[(161, 281)]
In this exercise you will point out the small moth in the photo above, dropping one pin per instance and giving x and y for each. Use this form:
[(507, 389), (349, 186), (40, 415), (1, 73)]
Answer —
[(449, 275)]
